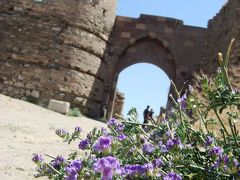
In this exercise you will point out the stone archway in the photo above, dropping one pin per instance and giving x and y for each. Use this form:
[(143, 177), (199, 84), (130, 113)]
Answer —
[(145, 50)]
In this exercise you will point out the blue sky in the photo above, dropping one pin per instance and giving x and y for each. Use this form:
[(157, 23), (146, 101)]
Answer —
[(145, 84)]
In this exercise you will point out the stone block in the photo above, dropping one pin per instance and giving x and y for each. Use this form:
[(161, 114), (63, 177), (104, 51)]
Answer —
[(168, 30), (189, 44), (161, 19), (18, 84), (59, 106), (165, 43), (124, 19), (132, 41), (126, 35), (152, 35), (29, 86), (87, 41), (141, 26), (132, 49), (35, 94)]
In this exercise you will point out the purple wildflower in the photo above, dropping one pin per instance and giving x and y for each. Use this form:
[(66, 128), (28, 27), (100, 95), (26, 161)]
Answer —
[(112, 122), (148, 148), (149, 167), (209, 141), (83, 144), (135, 169), (120, 127), (217, 150), (37, 158), (169, 144), (122, 137), (172, 176), (107, 166), (78, 129), (138, 170), (162, 147), (72, 170), (103, 143), (104, 131), (225, 159), (183, 101), (236, 163), (216, 164), (57, 162), (176, 142), (158, 162)]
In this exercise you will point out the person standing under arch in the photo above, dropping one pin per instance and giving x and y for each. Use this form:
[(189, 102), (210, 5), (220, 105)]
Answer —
[(146, 115)]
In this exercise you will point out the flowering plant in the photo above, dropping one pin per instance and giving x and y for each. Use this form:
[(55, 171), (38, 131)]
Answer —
[(168, 149)]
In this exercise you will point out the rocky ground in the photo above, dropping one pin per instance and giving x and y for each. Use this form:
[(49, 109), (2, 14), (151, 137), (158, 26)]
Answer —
[(25, 129)]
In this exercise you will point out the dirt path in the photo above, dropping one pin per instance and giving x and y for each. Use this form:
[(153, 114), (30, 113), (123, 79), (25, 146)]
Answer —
[(25, 129)]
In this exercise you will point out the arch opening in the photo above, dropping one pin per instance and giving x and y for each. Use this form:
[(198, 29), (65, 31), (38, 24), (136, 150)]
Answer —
[(145, 50), (142, 84)]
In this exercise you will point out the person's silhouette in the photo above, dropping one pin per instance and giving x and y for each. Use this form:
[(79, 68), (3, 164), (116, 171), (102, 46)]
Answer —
[(146, 115)]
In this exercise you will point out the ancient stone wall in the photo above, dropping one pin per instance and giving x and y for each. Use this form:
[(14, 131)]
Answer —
[(221, 29), (54, 49)]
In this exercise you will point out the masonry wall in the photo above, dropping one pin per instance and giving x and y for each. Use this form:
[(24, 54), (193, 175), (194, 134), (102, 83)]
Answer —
[(221, 29), (54, 49), (183, 43)]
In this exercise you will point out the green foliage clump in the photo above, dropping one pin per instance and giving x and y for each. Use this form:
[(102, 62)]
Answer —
[(74, 112)]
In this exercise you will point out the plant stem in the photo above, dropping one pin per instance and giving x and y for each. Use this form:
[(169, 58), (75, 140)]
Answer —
[(136, 123), (220, 120), (233, 133), (202, 120), (148, 138), (203, 169), (224, 138), (175, 89), (50, 156), (56, 171)]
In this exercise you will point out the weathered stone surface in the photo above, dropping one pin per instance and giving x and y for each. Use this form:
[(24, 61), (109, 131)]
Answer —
[(84, 40), (81, 60), (35, 94), (59, 106), (54, 49)]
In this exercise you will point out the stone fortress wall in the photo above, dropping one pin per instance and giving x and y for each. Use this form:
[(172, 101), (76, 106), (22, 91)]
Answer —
[(54, 49), (74, 50)]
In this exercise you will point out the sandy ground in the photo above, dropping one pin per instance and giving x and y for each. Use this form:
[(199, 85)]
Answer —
[(25, 129)]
